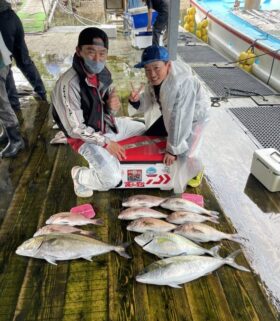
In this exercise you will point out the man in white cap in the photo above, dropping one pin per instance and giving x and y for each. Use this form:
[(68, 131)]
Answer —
[(84, 107)]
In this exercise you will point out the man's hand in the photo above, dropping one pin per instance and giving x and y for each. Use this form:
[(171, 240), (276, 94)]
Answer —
[(116, 150), (114, 101), (169, 159), (149, 28), (135, 93)]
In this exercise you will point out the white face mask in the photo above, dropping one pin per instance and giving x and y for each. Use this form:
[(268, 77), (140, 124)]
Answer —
[(94, 67)]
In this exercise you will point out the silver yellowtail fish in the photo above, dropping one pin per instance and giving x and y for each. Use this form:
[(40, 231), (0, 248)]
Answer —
[(55, 228), (143, 201), (60, 247), (73, 219), (184, 217), (169, 244), (179, 204), (145, 224), (177, 270), (138, 212), (199, 232)]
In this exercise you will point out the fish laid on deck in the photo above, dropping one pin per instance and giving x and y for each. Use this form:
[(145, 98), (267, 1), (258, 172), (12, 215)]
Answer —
[(143, 201), (184, 217), (73, 219), (145, 224), (169, 244), (55, 228), (60, 247), (177, 270), (199, 232), (138, 212), (180, 204)]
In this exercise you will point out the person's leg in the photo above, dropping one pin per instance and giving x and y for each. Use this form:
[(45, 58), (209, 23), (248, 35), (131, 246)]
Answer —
[(12, 91), (127, 128), (104, 170), (9, 120), (26, 65), (159, 26), (157, 128), (31, 73)]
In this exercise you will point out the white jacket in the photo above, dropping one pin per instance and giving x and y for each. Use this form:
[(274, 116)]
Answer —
[(185, 108)]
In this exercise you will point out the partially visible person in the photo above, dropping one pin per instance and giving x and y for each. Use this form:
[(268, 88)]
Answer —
[(161, 23), (10, 128), (175, 105), (13, 35), (84, 107)]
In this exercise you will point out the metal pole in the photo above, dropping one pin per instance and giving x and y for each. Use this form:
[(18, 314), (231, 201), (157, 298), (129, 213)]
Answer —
[(173, 22)]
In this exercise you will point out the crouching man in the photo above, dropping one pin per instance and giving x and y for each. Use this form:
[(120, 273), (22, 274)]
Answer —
[(84, 107), (175, 105)]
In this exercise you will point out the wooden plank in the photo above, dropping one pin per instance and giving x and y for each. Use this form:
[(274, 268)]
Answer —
[(41, 277), (12, 169)]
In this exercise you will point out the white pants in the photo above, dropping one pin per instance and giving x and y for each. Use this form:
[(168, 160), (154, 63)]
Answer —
[(104, 170)]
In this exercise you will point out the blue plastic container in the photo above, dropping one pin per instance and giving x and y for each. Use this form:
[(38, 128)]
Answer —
[(138, 20)]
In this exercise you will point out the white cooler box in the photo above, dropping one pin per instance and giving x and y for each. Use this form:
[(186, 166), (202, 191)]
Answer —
[(266, 168), (141, 38), (143, 167)]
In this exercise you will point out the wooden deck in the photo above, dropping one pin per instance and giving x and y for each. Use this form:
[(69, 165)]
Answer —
[(36, 185)]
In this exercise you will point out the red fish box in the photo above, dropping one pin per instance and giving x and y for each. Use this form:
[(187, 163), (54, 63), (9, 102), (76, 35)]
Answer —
[(143, 166)]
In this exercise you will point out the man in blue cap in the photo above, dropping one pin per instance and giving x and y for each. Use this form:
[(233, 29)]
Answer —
[(175, 105), (84, 107)]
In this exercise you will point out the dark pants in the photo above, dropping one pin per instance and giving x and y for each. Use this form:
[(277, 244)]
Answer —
[(159, 27), (31, 73), (13, 35), (157, 129), (12, 91), (7, 115)]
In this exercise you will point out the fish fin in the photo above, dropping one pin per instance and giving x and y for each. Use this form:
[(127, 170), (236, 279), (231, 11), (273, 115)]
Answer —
[(88, 258), (214, 213), (50, 259), (229, 260), (85, 233), (213, 219), (98, 221), (214, 251), (174, 285), (121, 250), (237, 238)]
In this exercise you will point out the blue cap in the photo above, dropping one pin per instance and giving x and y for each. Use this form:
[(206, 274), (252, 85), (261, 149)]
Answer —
[(151, 54)]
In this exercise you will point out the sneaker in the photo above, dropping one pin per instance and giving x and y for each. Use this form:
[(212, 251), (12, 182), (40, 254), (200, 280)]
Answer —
[(80, 190), (196, 181)]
